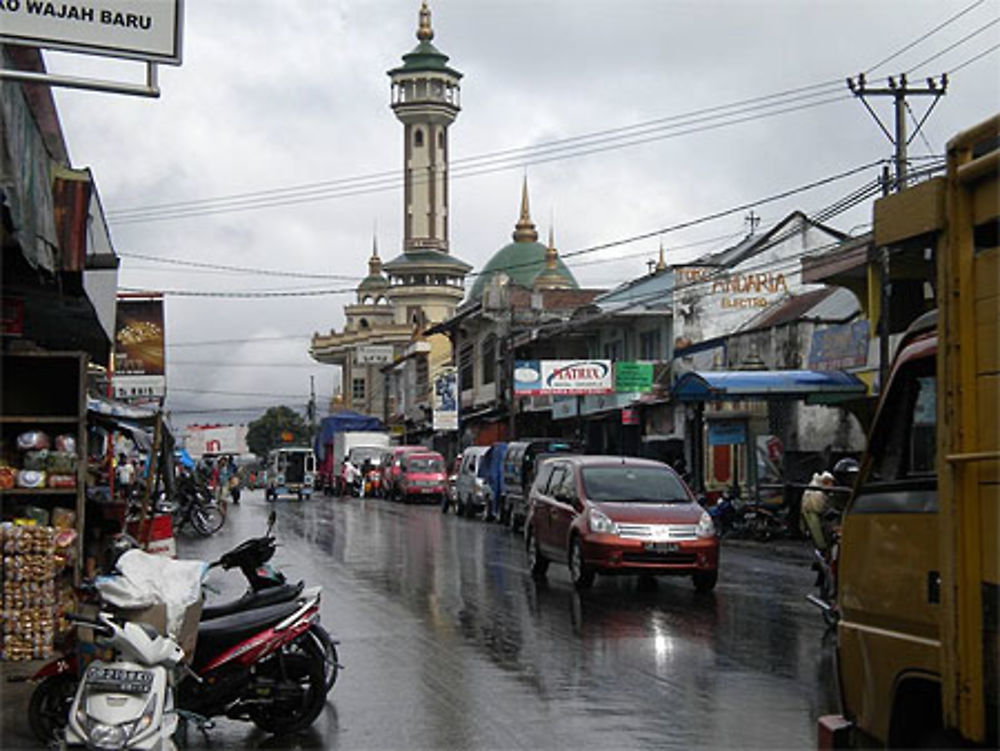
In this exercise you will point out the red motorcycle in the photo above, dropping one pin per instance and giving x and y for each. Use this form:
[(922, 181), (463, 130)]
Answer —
[(263, 665)]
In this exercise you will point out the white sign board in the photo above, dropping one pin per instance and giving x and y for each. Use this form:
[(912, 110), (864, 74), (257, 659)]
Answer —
[(374, 354), (142, 29), (445, 413), (547, 377)]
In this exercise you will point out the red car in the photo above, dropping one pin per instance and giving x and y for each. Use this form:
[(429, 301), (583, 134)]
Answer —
[(422, 476), (615, 515), (391, 468)]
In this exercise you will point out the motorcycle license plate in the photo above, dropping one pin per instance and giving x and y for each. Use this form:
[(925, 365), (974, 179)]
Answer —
[(118, 679), (662, 547)]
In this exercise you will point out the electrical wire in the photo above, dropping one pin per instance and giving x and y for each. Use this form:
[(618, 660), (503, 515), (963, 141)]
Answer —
[(237, 269), (929, 34), (971, 60), (950, 47), (456, 165)]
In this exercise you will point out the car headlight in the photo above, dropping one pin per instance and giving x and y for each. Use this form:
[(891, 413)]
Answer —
[(601, 523), (705, 526)]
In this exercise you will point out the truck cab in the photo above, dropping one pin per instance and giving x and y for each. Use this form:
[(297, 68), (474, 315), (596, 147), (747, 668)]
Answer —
[(917, 650)]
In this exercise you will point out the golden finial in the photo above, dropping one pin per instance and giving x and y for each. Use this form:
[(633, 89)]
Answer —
[(550, 252), (524, 230), (661, 265), (374, 263), (424, 32)]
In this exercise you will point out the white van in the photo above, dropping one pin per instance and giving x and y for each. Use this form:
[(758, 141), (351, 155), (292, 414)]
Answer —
[(290, 471)]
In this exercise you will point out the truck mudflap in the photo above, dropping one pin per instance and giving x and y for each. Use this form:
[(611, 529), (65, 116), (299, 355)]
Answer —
[(833, 731)]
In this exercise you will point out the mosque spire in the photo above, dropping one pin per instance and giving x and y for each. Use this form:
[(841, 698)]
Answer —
[(374, 263), (424, 32), (524, 230)]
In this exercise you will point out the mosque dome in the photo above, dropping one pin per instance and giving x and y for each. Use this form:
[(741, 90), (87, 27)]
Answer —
[(524, 259), (375, 282)]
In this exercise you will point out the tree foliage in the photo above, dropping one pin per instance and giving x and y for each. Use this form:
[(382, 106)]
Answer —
[(274, 429)]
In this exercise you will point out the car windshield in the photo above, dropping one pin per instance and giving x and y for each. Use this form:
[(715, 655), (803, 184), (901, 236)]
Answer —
[(425, 465), (633, 485)]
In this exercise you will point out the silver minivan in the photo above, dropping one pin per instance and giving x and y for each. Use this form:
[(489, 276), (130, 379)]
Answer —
[(470, 488)]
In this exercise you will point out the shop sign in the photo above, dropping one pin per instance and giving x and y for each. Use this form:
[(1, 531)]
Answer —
[(564, 407), (374, 354), (566, 377), (630, 416), (726, 433), (634, 376), (147, 30), (839, 347), (445, 413), (596, 403)]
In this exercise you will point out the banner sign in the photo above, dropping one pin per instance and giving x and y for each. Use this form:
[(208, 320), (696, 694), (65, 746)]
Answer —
[(567, 377), (140, 375), (839, 347), (633, 377), (147, 30), (726, 433), (445, 413)]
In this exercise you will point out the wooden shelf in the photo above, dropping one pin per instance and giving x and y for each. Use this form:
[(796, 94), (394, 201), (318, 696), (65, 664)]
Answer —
[(38, 491), (21, 419)]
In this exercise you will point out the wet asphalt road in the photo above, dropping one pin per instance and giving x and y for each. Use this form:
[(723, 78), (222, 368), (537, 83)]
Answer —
[(448, 643)]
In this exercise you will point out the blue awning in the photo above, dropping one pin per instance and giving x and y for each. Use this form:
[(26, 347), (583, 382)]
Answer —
[(728, 385)]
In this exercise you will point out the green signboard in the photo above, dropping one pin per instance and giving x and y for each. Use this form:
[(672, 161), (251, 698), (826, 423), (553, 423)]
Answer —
[(633, 376)]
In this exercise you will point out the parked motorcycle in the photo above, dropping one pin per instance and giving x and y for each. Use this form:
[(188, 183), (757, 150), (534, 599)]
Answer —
[(763, 523), (56, 682), (128, 702)]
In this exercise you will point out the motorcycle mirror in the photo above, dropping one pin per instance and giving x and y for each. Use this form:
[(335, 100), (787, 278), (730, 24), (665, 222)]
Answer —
[(271, 519)]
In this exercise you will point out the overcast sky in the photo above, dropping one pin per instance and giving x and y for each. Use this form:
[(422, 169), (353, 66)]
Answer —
[(273, 97)]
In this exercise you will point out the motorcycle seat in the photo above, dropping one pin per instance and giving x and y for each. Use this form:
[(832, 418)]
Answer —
[(251, 600), (219, 634)]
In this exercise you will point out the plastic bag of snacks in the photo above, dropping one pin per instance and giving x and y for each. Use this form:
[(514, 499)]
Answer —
[(32, 439), (30, 478), (36, 460), (61, 462), (66, 443), (61, 481), (63, 518), (8, 478)]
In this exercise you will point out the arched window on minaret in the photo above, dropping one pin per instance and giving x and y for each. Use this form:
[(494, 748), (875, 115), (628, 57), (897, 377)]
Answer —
[(418, 138)]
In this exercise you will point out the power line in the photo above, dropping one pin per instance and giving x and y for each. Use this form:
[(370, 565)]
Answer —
[(238, 269), (245, 393), (520, 152), (971, 60), (950, 47), (499, 166), (261, 339), (583, 251), (930, 33)]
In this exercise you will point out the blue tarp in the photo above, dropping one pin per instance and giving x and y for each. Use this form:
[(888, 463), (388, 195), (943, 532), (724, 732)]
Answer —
[(342, 422), (722, 385)]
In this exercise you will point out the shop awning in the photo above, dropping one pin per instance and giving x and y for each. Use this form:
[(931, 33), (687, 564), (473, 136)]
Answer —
[(729, 385)]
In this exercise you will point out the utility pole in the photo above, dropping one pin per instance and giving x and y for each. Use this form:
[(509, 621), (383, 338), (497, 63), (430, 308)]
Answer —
[(899, 90), (312, 406)]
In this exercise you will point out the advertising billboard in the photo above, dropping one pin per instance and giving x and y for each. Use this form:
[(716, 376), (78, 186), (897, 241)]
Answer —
[(445, 412), (140, 372), (567, 377), (147, 30)]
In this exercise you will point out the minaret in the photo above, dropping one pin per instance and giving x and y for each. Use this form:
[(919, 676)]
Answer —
[(425, 98)]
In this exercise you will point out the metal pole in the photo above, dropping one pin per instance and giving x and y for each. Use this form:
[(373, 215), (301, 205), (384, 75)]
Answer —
[(900, 106)]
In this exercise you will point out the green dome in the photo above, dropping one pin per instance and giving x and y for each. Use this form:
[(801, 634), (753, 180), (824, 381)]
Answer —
[(522, 262)]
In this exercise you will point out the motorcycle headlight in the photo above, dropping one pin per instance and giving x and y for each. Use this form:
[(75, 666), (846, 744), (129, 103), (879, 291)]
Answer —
[(148, 715), (705, 526), (601, 524), (107, 736)]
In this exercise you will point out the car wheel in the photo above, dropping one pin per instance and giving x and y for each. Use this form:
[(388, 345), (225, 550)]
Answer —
[(537, 562), (704, 581), (579, 572)]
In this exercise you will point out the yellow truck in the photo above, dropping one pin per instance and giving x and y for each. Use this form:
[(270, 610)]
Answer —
[(917, 649)]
